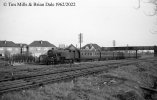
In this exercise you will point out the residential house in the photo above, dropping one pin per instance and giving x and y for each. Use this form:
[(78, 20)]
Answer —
[(37, 48), (75, 51), (71, 47), (9, 48)]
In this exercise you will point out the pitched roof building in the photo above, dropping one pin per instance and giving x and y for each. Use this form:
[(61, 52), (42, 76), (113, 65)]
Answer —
[(71, 47), (41, 44), (37, 48), (8, 44), (91, 46), (9, 47)]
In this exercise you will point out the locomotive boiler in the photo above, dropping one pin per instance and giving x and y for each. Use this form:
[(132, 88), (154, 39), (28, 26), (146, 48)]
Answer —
[(58, 57)]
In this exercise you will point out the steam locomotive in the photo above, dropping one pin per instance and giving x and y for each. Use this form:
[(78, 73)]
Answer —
[(69, 56)]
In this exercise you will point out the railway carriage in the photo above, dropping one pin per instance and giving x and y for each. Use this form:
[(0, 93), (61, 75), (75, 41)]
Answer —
[(105, 55), (130, 54), (89, 55)]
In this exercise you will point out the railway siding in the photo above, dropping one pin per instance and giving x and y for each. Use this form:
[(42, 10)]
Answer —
[(45, 76)]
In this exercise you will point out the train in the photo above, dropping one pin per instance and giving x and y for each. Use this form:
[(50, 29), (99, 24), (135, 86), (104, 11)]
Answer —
[(62, 56)]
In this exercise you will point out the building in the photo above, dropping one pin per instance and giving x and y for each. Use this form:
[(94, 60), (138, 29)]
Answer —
[(91, 46), (37, 48), (71, 47), (24, 48), (9, 48), (74, 51)]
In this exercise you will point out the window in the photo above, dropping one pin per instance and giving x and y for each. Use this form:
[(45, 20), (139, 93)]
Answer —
[(38, 48), (87, 48), (45, 49), (92, 48), (24, 49), (16, 49), (31, 48), (82, 53), (9, 49)]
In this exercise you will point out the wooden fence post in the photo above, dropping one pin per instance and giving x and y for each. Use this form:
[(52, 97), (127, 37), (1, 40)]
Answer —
[(155, 51)]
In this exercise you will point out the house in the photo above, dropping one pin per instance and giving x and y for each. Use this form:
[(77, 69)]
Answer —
[(9, 48), (91, 46), (37, 48), (71, 47), (74, 51)]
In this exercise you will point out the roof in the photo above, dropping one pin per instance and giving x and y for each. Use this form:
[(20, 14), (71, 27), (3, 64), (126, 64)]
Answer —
[(91, 46), (8, 44), (41, 44), (71, 47), (129, 48)]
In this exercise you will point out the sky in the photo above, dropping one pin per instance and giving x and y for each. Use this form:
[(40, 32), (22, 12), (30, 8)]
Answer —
[(100, 22)]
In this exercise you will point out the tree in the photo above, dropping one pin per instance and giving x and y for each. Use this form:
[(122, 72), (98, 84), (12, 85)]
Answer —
[(7, 55), (151, 12), (153, 4)]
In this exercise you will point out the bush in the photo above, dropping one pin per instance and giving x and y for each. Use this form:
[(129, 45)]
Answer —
[(7, 55), (22, 58)]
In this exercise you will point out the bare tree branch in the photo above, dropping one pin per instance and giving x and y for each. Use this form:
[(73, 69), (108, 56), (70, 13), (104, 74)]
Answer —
[(154, 6)]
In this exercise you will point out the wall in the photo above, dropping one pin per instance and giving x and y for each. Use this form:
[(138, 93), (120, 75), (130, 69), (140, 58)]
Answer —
[(10, 50), (37, 51)]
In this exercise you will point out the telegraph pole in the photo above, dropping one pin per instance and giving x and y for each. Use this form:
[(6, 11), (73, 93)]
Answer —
[(80, 39), (114, 43)]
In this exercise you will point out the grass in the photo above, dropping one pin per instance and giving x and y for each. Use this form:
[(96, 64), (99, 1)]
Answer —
[(117, 84)]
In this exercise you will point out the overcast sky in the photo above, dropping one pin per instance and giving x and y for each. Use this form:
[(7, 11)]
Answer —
[(100, 21)]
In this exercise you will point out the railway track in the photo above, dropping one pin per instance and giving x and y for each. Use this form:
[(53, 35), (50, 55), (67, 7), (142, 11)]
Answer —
[(19, 74), (43, 76)]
